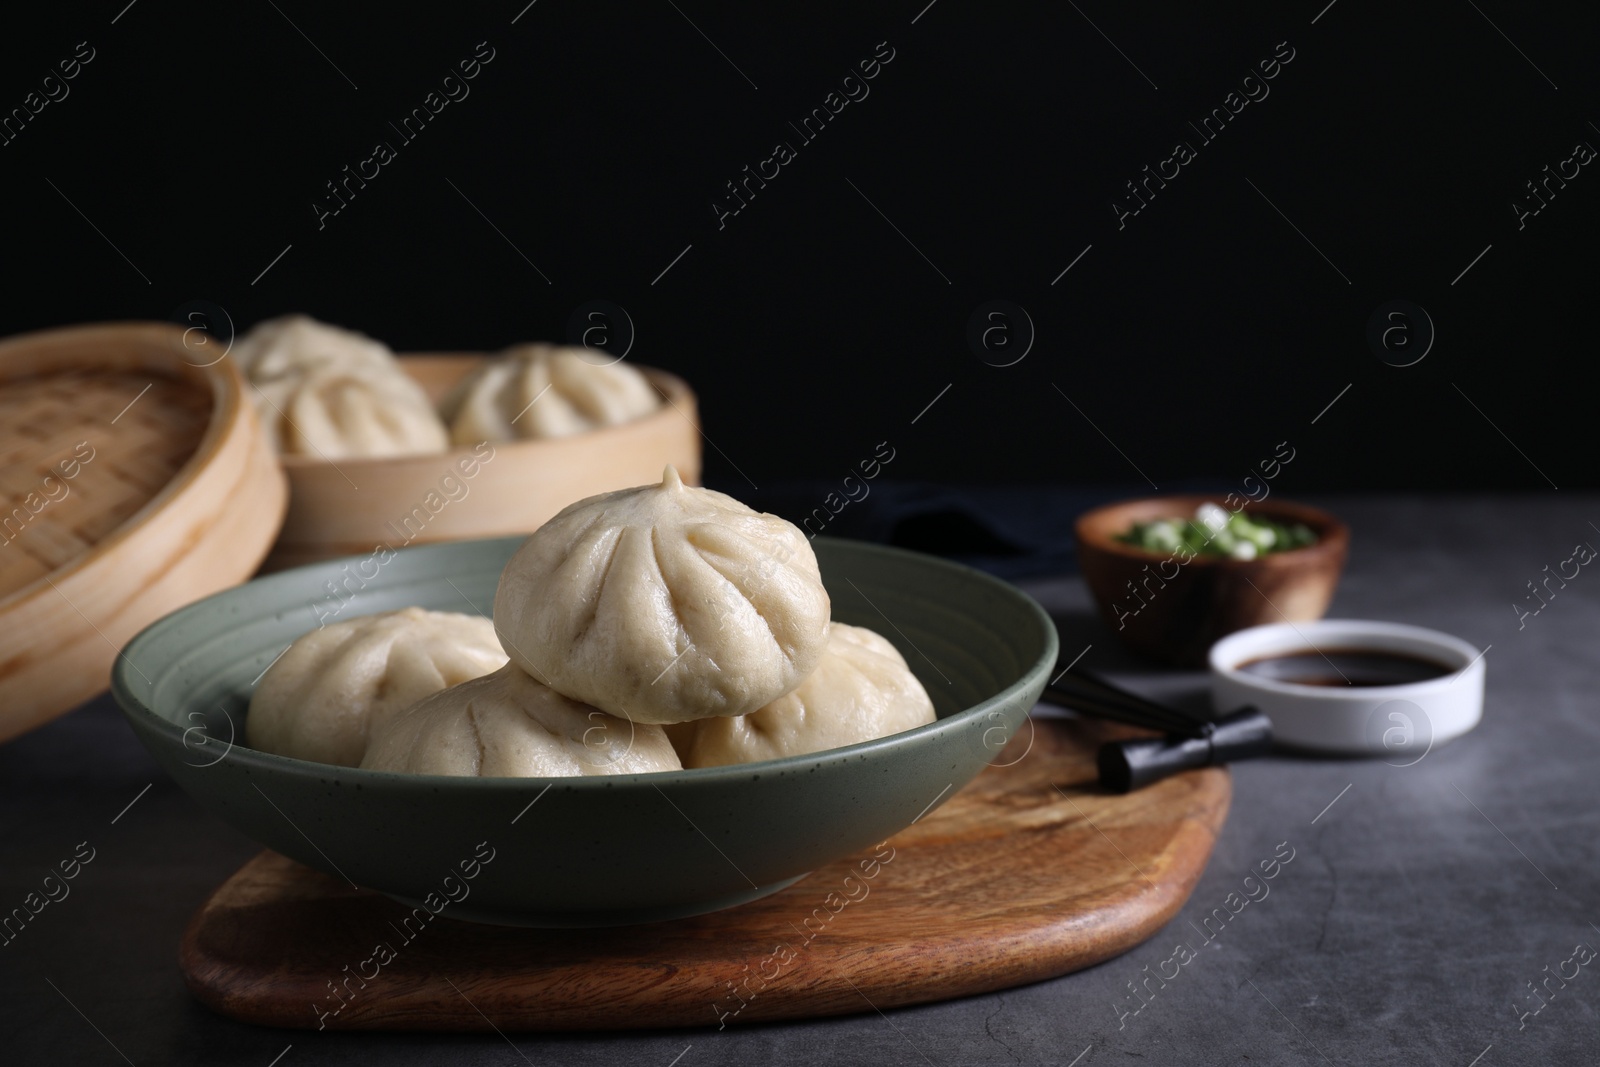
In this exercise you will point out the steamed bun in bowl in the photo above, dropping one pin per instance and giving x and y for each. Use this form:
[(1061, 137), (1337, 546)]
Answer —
[(325, 696), (538, 390), (665, 603), (861, 689), (332, 393), (508, 725)]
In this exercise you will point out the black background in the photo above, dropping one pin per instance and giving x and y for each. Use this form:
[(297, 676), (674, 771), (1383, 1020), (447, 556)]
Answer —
[(1196, 338)]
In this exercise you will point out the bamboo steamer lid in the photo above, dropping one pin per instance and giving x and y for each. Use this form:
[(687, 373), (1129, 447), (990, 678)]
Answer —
[(133, 480)]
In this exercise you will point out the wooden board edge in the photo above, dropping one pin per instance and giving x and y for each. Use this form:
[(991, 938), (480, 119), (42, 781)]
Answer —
[(401, 1014)]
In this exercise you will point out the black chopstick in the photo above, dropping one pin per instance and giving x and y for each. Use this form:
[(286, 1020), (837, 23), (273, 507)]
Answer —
[(1089, 694), (1190, 741)]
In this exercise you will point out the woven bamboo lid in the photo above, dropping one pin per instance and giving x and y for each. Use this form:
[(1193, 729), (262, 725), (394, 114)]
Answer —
[(133, 480)]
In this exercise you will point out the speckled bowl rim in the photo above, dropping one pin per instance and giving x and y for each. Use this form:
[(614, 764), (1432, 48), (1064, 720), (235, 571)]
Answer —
[(135, 707)]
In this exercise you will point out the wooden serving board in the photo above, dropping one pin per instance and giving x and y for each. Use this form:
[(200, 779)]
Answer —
[(1030, 872)]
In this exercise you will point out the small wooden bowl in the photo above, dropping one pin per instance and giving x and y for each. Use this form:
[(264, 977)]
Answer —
[(353, 506), (1176, 617), (132, 481)]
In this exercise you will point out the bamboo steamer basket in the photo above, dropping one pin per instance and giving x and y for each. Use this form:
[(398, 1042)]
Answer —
[(133, 480), (354, 506)]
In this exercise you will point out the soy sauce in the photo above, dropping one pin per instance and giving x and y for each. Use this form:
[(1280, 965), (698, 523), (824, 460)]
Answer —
[(1346, 667)]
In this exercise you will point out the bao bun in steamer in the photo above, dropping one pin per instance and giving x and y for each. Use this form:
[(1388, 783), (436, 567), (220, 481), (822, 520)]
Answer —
[(507, 725), (665, 603), (538, 390), (331, 393), (292, 344)]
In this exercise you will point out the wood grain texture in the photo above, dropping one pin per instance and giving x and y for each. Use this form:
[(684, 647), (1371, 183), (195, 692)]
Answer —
[(1028, 873), (175, 495), (351, 506)]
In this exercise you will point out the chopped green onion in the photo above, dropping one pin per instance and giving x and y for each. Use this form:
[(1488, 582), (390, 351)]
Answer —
[(1215, 532)]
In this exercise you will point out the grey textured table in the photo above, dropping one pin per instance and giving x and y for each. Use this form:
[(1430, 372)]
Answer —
[(1407, 929)]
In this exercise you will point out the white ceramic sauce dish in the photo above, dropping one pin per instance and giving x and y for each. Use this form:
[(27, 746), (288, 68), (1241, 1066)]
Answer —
[(1401, 721)]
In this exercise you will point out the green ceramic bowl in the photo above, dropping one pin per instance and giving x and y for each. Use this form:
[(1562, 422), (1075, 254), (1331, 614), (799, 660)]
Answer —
[(582, 851)]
